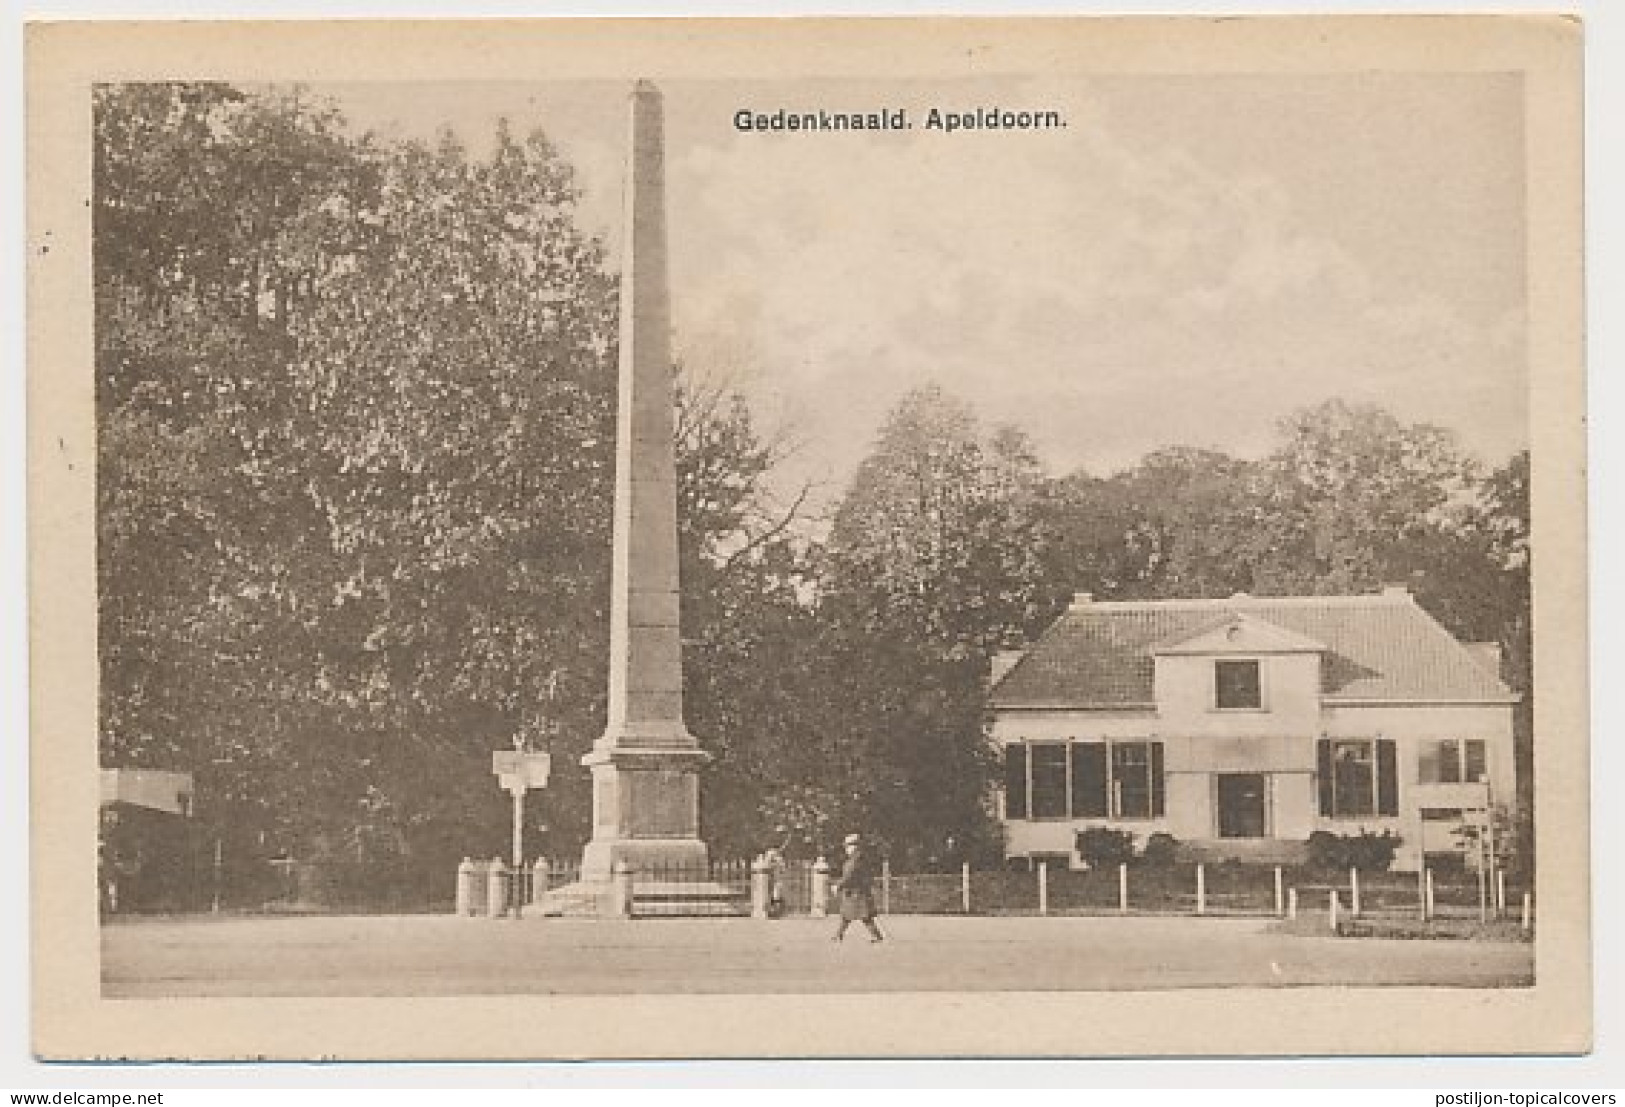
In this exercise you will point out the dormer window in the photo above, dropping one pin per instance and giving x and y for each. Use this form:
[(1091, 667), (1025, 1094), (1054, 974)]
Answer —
[(1237, 686)]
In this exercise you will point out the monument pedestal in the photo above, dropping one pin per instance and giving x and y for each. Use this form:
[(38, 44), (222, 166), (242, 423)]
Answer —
[(646, 805), (646, 817)]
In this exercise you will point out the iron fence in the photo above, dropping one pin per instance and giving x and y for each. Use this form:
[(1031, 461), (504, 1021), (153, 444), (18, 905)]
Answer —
[(718, 889)]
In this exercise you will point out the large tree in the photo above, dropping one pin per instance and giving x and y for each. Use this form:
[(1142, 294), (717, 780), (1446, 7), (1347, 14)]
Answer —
[(356, 439), (934, 563)]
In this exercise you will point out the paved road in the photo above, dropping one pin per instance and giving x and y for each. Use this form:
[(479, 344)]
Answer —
[(441, 955)]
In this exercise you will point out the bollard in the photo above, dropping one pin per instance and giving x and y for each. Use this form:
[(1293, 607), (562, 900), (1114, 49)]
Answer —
[(1528, 916), (620, 890), (819, 905), (1201, 888), (1122, 887), (479, 880), (1354, 892), (1291, 903), (1043, 887), (465, 888), (964, 886), (1331, 908), (496, 888), (761, 879), (539, 876), (1280, 895), (518, 890)]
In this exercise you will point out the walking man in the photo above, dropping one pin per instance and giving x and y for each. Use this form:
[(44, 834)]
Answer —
[(857, 888)]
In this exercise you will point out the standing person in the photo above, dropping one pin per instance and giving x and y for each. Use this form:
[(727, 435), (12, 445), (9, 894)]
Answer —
[(857, 887)]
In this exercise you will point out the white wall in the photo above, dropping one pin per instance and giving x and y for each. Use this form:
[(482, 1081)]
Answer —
[(1291, 696), (1279, 741)]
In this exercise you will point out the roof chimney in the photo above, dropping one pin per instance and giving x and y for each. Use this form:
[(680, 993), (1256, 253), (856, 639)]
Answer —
[(1487, 654)]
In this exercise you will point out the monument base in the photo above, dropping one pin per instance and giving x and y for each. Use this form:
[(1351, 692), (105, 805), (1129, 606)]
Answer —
[(646, 857), (645, 802)]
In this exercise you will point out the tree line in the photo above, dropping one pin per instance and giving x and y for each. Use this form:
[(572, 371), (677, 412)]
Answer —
[(355, 413)]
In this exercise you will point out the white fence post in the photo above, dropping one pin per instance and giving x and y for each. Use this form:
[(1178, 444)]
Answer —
[(465, 888), (761, 877), (885, 886), (1528, 915), (496, 888), (1331, 908), (1291, 903), (1122, 887), (539, 874), (818, 905), (1280, 896), (1500, 892), (964, 887), (1201, 888), (620, 890), (1354, 892), (1043, 887), (1428, 898)]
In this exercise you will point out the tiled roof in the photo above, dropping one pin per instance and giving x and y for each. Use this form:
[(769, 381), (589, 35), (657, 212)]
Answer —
[(1379, 647)]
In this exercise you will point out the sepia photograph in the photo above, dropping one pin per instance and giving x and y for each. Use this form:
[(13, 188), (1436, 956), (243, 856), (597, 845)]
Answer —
[(1013, 549)]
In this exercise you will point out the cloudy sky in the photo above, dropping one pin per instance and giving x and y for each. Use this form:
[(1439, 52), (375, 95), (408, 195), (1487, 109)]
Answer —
[(1188, 260)]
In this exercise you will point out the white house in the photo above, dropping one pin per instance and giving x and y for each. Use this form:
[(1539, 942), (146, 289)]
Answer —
[(1242, 725)]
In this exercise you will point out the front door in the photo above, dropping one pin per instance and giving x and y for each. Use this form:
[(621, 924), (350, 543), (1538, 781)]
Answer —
[(1241, 805)]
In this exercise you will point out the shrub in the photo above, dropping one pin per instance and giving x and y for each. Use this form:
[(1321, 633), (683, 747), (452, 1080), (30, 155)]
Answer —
[(1365, 851), (1161, 850), (1101, 846)]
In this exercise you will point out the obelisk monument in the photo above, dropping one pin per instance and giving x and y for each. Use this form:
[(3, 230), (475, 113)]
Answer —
[(645, 794)]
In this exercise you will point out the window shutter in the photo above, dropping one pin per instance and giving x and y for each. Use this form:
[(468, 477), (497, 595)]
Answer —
[(1015, 781), (1158, 796), (1323, 768), (1387, 777), (1089, 780)]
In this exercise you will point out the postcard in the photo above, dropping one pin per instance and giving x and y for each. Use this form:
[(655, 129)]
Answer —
[(807, 538)]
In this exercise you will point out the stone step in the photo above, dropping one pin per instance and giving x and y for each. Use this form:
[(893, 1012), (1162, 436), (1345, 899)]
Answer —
[(583, 899), (663, 899), (676, 899)]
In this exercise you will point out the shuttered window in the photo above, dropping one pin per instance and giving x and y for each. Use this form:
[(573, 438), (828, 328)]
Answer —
[(1450, 761), (1049, 780), (1089, 781), (1358, 777), (1131, 774), (1084, 780)]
